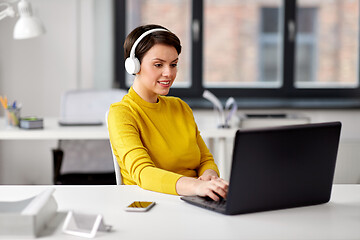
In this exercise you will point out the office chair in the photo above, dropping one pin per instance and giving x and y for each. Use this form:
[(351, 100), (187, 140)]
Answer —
[(116, 164), (85, 162)]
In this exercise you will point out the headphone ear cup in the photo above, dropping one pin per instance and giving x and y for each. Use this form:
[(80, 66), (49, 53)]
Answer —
[(132, 65)]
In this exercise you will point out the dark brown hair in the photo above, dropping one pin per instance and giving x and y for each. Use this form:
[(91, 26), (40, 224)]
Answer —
[(160, 37)]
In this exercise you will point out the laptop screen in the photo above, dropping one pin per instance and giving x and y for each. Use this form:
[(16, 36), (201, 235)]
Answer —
[(282, 167)]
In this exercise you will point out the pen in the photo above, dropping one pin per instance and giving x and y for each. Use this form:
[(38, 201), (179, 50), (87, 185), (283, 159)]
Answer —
[(4, 102)]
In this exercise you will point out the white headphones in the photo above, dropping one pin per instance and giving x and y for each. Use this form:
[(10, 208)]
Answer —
[(132, 64)]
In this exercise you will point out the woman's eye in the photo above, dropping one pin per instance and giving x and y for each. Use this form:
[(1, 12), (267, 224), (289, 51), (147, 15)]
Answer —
[(174, 65), (158, 65)]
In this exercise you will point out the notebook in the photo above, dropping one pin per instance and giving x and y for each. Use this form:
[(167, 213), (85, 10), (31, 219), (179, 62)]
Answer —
[(279, 167)]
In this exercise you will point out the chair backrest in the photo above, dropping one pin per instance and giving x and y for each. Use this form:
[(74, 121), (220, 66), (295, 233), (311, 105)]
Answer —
[(116, 164), (83, 156), (88, 105)]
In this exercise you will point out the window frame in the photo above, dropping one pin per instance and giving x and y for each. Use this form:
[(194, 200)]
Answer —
[(285, 96)]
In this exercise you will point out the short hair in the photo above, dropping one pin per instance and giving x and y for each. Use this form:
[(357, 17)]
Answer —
[(158, 37)]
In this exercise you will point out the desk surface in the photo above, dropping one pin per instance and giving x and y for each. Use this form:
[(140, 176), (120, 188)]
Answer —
[(53, 131), (172, 218)]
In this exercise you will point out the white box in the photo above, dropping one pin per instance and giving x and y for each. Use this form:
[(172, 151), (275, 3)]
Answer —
[(270, 120), (27, 218)]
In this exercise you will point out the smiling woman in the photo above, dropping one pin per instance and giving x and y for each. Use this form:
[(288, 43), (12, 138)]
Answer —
[(154, 137)]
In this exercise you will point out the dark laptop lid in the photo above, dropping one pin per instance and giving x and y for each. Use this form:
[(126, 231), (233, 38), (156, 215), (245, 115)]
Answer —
[(282, 167)]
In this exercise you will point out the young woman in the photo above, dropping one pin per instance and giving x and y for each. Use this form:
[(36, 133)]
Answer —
[(155, 138)]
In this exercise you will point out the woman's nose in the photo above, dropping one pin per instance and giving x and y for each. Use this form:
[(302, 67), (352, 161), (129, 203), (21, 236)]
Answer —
[(168, 71)]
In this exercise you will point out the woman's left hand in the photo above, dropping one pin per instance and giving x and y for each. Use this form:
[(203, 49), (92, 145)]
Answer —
[(208, 175)]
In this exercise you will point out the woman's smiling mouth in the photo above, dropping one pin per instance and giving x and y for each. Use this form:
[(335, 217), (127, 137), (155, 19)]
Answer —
[(164, 83)]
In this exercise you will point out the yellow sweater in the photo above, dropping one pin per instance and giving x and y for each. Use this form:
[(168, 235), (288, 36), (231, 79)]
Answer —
[(157, 143)]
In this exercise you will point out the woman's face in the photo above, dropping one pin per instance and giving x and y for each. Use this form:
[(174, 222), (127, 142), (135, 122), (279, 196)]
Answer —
[(157, 72)]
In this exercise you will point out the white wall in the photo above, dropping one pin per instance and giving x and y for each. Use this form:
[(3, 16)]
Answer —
[(76, 52), (36, 71)]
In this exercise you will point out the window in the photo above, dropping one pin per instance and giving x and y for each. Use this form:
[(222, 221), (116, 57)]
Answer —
[(281, 50), (305, 61), (270, 45), (241, 45), (327, 44)]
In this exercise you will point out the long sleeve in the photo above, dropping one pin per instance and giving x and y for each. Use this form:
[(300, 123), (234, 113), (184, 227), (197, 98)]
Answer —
[(207, 160)]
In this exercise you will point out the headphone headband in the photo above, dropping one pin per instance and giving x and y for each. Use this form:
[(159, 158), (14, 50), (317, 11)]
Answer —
[(133, 48)]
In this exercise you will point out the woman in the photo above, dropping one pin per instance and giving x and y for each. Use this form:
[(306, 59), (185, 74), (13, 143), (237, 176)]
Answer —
[(155, 138)]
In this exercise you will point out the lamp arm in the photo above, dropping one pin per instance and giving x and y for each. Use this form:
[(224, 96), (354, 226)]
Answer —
[(7, 12)]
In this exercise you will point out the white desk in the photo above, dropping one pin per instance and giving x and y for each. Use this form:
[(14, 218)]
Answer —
[(172, 218), (53, 131)]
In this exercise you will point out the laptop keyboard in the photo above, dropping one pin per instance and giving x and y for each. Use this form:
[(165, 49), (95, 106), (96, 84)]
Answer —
[(211, 203), (206, 202)]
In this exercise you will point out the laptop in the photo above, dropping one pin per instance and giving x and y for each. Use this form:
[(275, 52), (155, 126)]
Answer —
[(80, 122), (279, 167)]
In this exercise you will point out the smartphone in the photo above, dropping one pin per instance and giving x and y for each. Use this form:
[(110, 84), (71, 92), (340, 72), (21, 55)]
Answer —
[(139, 206)]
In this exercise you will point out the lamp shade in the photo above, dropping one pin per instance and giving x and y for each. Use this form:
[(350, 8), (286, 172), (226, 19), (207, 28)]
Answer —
[(27, 26)]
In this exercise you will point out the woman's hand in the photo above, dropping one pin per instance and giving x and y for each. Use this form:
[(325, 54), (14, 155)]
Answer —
[(208, 175), (213, 187)]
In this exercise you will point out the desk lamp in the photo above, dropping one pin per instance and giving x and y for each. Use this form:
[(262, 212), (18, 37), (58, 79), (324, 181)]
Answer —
[(27, 26)]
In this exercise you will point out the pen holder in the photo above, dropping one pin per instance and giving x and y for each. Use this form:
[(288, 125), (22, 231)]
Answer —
[(12, 117)]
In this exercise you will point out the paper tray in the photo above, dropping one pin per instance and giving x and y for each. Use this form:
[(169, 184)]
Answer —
[(27, 217)]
